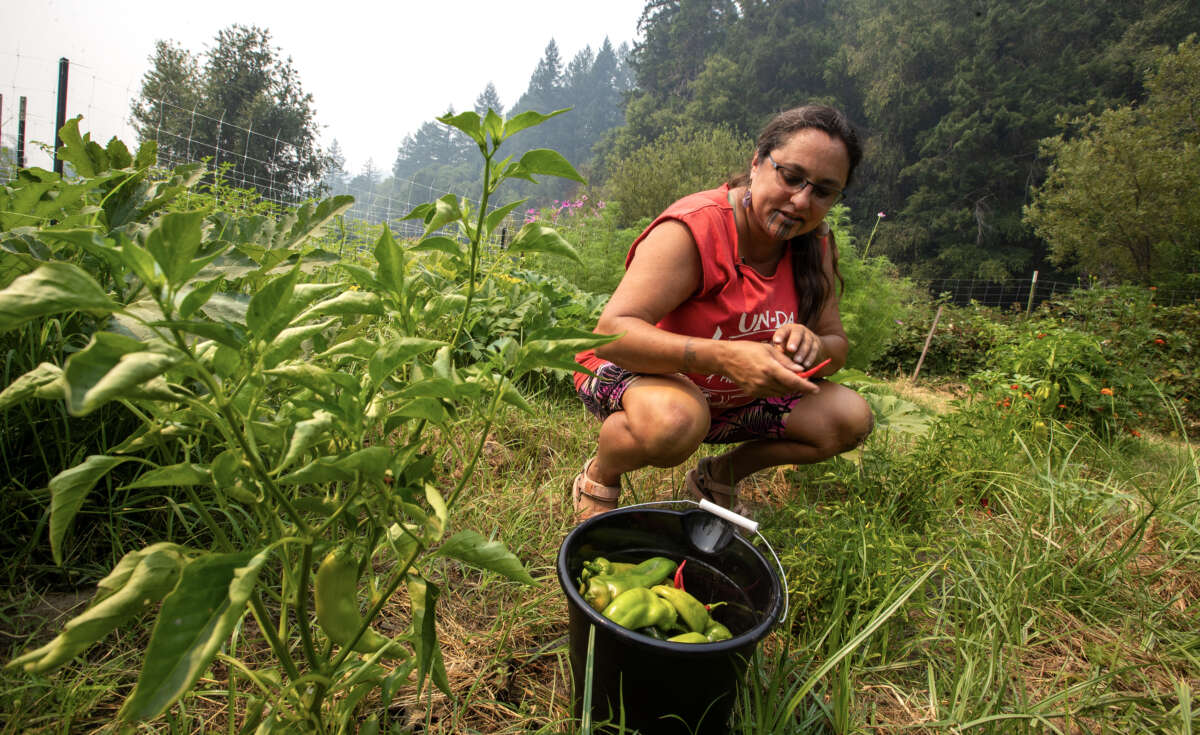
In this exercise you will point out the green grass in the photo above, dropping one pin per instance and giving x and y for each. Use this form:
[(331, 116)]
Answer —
[(1063, 590)]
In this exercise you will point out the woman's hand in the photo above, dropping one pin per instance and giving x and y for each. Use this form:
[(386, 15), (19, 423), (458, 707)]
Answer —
[(799, 343), (763, 370)]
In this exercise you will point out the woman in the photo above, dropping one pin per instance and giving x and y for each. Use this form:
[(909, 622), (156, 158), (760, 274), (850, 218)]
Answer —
[(727, 296)]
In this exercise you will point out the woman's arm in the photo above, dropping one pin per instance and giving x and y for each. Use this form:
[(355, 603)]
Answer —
[(665, 272)]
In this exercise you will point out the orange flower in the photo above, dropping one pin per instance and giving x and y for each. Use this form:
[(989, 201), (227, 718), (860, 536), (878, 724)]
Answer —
[(1135, 432), (1106, 391), (1062, 405)]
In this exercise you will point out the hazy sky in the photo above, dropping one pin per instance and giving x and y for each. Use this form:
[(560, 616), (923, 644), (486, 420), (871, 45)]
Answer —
[(376, 70)]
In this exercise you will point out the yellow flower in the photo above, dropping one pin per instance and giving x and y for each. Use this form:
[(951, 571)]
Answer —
[(1106, 391)]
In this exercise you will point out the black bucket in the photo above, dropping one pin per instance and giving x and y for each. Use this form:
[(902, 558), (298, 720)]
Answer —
[(662, 687)]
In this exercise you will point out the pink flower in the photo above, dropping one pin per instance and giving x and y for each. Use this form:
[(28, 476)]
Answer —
[(881, 214)]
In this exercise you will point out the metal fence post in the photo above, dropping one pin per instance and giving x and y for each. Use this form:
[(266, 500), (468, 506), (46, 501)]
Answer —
[(61, 120)]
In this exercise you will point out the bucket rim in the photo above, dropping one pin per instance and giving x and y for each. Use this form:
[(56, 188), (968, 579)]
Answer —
[(752, 636)]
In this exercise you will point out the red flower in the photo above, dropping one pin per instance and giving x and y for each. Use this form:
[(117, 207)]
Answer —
[(1160, 341), (1062, 405), (1041, 335), (1135, 432), (1014, 386)]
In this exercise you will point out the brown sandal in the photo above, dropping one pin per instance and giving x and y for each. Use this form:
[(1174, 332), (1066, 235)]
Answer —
[(701, 484), (589, 498)]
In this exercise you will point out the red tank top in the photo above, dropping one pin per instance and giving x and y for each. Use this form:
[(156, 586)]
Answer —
[(734, 301)]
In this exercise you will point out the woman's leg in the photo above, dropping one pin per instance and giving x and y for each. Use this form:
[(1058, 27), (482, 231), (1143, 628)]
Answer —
[(663, 421), (819, 426)]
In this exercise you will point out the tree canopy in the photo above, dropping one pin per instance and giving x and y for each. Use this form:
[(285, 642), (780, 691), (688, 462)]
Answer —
[(1121, 199), (244, 107), (952, 100)]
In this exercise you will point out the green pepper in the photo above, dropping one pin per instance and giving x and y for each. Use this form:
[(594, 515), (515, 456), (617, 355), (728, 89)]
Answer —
[(716, 632), (689, 637), (600, 565), (691, 610), (601, 590), (640, 608), (337, 607)]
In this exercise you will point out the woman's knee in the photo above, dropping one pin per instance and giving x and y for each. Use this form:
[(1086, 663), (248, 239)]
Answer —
[(854, 421), (668, 425), (672, 434)]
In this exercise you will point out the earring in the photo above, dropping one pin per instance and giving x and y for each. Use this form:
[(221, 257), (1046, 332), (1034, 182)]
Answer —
[(746, 199)]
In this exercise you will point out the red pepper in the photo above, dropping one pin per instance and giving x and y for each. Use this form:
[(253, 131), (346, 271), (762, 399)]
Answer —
[(679, 576), (806, 374)]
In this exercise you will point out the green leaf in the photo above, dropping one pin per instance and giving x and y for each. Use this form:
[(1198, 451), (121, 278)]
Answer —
[(230, 335), (472, 548), (510, 395), (305, 374), (493, 125), (308, 433), (113, 366), (546, 162), (53, 288), (140, 579), (265, 304), (428, 409), (527, 119), (535, 237), (357, 347), (468, 122), (371, 461), (176, 475), (558, 351), (445, 210), (67, 491), (198, 297), (390, 257), (423, 596), (347, 303), (289, 341), (30, 384), (196, 618), (394, 353), (435, 526), (321, 470), (439, 244), (498, 215), (173, 240)]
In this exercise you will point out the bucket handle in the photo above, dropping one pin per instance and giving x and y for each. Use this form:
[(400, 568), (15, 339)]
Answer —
[(739, 520)]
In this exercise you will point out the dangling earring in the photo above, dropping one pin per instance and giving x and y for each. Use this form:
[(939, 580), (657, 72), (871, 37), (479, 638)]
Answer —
[(746, 199)]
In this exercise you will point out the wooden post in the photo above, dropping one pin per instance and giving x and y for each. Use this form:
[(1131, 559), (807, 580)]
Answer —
[(1032, 289), (63, 67), (928, 339)]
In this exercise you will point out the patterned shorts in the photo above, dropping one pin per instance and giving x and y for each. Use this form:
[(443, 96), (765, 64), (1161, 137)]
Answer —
[(762, 418)]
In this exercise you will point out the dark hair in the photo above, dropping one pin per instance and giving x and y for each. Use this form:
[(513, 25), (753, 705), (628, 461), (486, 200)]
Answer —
[(812, 287)]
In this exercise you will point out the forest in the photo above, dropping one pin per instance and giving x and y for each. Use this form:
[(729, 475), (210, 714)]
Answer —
[(987, 125)]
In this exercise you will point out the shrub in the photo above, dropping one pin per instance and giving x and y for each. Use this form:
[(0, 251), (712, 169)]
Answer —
[(678, 163)]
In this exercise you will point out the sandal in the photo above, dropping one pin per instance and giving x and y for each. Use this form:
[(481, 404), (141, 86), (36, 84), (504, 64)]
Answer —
[(701, 484), (589, 498)]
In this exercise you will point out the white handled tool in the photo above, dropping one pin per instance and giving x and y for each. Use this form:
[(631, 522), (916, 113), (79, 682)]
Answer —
[(735, 518)]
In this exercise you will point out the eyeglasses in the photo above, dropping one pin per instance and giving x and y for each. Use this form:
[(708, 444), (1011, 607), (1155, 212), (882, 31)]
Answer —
[(795, 183)]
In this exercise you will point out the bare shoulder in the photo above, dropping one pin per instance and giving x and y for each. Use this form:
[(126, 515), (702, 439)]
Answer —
[(664, 272)]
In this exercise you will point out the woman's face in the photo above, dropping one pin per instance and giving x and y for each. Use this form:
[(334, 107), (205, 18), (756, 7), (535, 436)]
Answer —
[(794, 186)]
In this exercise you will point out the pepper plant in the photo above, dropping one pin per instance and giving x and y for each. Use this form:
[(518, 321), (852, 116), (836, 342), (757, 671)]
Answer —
[(310, 399)]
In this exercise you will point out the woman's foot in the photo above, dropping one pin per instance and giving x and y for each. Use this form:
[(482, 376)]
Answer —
[(702, 485), (590, 498)]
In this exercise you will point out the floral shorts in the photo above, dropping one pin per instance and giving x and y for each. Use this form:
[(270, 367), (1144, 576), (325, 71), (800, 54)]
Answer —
[(762, 418)]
